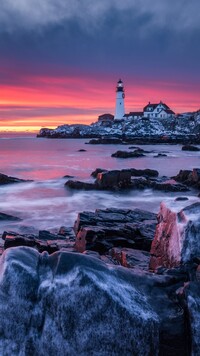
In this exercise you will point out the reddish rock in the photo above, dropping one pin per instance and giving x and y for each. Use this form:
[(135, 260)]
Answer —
[(97, 171), (177, 237), (12, 239)]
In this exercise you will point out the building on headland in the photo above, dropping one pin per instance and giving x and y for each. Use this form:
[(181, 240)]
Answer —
[(150, 111), (159, 111), (105, 119)]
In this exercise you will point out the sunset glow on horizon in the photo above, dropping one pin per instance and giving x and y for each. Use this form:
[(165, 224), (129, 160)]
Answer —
[(64, 70), (52, 101)]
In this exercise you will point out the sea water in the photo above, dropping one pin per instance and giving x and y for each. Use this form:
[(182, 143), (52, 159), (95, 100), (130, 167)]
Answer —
[(45, 203)]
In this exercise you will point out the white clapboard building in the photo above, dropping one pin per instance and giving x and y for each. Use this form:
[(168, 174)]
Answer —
[(159, 111)]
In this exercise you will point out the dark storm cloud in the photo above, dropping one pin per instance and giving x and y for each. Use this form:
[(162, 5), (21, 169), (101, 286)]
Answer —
[(144, 38), (37, 14)]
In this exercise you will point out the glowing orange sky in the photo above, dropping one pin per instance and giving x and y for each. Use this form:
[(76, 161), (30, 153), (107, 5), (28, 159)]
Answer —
[(49, 101)]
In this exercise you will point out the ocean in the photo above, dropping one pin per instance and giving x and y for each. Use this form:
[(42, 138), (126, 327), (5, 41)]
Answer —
[(46, 203)]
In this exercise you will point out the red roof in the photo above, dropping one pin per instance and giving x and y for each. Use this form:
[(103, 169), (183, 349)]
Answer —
[(106, 117)]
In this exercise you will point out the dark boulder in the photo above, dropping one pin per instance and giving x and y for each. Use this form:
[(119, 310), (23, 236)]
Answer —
[(9, 217), (82, 150), (190, 148), (106, 141), (4, 179), (134, 172), (163, 184), (138, 149), (112, 179), (144, 172), (189, 178), (168, 185), (47, 235), (127, 154), (181, 199), (68, 176), (104, 229), (124, 179), (98, 170), (183, 176), (74, 184), (160, 155)]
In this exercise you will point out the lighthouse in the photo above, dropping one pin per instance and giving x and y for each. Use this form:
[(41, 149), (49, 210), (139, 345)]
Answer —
[(119, 109)]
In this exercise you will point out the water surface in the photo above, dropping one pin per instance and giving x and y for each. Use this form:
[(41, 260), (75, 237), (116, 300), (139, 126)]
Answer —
[(46, 204)]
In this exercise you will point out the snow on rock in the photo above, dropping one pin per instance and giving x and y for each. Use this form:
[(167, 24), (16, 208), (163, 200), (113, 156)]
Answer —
[(177, 237), (130, 127), (72, 304)]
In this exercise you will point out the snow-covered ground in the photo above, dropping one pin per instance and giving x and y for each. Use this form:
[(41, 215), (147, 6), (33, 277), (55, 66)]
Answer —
[(130, 128)]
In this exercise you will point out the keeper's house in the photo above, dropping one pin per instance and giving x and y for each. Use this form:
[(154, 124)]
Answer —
[(159, 111)]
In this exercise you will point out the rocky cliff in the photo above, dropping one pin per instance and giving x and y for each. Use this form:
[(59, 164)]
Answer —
[(130, 128)]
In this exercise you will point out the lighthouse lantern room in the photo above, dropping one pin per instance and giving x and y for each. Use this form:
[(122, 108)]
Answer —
[(119, 109)]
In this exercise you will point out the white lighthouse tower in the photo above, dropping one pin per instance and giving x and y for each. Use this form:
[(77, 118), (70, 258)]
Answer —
[(119, 109)]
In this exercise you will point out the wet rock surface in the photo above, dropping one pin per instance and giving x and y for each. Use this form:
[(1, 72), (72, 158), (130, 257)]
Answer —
[(130, 179), (45, 241), (160, 155), (8, 217), (105, 141), (106, 262), (133, 171), (190, 178), (127, 154), (190, 148), (4, 179), (105, 229)]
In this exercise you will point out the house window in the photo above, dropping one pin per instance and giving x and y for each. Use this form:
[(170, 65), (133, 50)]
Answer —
[(156, 115)]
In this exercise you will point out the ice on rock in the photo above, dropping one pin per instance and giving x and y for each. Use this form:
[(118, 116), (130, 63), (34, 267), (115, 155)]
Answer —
[(72, 304)]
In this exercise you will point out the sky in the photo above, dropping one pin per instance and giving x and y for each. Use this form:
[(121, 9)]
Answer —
[(60, 60)]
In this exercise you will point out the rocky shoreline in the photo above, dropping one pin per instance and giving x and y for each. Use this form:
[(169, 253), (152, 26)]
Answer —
[(114, 275), (153, 260), (133, 131)]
